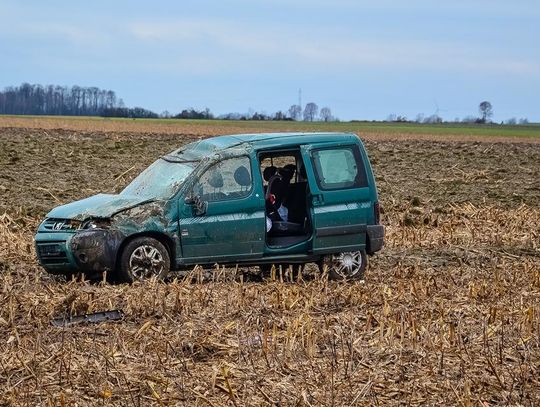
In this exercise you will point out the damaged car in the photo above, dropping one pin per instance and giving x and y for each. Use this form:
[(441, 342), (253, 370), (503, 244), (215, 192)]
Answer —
[(247, 200)]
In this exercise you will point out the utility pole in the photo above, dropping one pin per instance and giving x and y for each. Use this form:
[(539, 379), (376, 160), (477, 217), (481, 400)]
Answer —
[(300, 98)]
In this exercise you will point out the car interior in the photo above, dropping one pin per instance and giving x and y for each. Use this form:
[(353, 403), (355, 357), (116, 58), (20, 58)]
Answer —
[(286, 196)]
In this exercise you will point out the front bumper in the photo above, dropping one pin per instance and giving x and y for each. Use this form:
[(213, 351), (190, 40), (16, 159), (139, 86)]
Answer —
[(53, 252), (89, 251), (375, 238)]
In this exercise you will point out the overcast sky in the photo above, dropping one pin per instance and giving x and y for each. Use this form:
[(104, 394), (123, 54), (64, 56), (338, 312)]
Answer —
[(363, 59)]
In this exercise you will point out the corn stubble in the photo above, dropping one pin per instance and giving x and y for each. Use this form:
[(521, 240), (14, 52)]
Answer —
[(449, 313)]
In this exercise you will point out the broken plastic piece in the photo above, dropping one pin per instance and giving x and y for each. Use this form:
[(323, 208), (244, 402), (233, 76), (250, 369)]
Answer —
[(93, 318)]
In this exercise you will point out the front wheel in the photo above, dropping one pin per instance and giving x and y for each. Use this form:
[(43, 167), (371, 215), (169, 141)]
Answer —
[(345, 266), (143, 258)]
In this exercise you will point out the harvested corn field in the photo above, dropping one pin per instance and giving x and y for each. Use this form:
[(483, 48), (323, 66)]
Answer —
[(449, 312)]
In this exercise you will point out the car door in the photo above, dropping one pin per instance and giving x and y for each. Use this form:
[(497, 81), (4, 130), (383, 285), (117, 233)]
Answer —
[(232, 226), (340, 196)]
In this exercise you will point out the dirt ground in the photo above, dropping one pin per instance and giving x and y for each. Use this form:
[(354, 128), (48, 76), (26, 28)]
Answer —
[(43, 168), (449, 312)]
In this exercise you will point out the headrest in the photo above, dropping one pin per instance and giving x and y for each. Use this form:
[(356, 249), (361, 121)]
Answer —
[(242, 177), (269, 172), (215, 179), (287, 172)]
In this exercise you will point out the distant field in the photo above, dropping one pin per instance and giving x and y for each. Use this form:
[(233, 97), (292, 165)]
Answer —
[(212, 127)]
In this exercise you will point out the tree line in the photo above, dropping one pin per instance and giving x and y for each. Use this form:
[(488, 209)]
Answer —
[(310, 113), (54, 100), (485, 110)]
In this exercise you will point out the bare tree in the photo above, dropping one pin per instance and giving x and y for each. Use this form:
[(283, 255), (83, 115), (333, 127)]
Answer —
[(326, 114), (486, 111), (310, 112), (433, 119), (279, 115), (295, 112)]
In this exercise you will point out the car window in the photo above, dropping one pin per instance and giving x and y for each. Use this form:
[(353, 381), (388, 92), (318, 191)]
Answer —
[(160, 180), (339, 168), (228, 179)]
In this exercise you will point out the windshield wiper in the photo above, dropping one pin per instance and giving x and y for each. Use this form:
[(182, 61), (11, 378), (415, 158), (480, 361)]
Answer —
[(178, 160)]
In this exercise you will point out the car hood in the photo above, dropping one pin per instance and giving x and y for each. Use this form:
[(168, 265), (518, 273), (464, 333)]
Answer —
[(97, 206)]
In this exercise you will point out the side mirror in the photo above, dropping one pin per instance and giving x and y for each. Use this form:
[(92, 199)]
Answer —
[(199, 206)]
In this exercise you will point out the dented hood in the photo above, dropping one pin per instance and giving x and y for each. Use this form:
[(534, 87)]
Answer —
[(97, 206)]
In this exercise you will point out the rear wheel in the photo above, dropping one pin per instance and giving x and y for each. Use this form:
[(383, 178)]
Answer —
[(345, 266), (143, 258)]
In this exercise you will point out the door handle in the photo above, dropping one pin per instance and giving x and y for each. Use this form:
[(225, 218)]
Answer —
[(317, 199)]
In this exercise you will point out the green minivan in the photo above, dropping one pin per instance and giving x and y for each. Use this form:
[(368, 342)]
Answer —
[(247, 200)]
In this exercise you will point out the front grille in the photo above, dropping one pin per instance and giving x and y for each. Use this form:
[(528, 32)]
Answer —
[(52, 253), (58, 225)]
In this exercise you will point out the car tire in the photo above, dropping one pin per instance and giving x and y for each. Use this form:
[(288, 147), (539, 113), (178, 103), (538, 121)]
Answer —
[(345, 266), (144, 258)]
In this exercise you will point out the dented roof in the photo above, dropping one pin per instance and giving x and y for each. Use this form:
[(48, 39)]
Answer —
[(259, 141)]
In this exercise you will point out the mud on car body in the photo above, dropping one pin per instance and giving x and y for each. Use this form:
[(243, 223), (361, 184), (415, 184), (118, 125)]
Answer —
[(252, 199)]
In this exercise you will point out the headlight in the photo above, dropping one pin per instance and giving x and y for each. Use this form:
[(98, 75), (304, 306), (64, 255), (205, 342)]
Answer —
[(96, 224), (72, 224)]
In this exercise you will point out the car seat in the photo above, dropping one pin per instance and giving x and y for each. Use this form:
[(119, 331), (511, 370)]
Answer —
[(215, 180), (242, 178), (271, 196), (269, 172), (278, 186), (296, 200)]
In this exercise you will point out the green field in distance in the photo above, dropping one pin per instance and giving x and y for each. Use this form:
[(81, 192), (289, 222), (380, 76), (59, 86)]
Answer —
[(493, 130)]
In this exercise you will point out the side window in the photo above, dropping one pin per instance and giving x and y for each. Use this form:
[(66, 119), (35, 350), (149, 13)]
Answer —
[(228, 179), (339, 168)]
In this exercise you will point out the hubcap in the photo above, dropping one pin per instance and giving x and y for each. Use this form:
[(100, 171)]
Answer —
[(146, 261), (347, 264)]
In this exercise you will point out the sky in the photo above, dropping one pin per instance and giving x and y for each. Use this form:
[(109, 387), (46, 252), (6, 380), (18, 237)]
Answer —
[(363, 59)]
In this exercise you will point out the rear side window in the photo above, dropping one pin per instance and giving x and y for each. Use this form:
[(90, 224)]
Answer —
[(339, 168)]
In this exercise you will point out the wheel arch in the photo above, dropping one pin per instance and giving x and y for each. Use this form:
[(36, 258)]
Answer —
[(374, 239)]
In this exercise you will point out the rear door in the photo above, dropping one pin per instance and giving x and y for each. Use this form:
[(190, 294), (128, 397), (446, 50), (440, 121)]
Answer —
[(340, 196)]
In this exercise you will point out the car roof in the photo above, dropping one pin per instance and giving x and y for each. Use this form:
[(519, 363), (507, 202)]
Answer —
[(258, 141)]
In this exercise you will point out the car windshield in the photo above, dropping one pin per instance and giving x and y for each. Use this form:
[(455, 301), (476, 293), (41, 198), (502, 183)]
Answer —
[(159, 181)]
